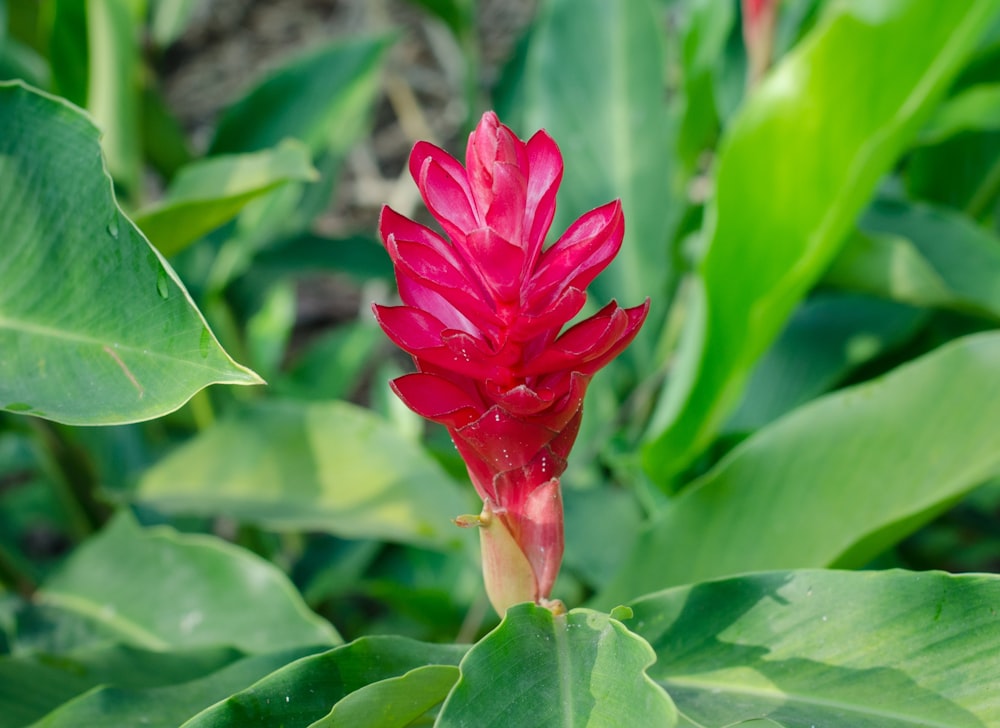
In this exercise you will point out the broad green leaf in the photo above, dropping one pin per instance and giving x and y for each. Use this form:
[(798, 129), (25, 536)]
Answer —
[(922, 255), (831, 649), (582, 668), (114, 83), (33, 685), (836, 481), (303, 692), (95, 327), (974, 109), (327, 466), (828, 337), (159, 589), (170, 705), (796, 166), (593, 78), (322, 98), (212, 191), (393, 703)]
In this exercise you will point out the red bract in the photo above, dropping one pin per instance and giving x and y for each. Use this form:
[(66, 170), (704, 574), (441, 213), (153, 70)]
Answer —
[(482, 315)]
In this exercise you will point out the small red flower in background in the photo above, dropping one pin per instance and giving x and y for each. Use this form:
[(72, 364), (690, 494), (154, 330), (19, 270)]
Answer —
[(482, 315)]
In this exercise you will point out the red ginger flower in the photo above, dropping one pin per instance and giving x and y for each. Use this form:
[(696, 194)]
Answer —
[(482, 314)]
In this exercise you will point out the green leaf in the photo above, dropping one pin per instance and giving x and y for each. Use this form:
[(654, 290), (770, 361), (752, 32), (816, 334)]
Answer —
[(974, 109), (922, 255), (114, 85), (784, 201), (95, 327), (831, 649), (836, 481), (156, 589), (393, 703), (327, 466), (582, 668), (210, 192), (167, 706), (322, 98), (607, 59), (305, 691), (33, 685), (828, 337)]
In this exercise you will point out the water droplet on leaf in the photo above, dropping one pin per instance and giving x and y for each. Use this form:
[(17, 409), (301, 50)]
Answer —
[(162, 284), (113, 227)]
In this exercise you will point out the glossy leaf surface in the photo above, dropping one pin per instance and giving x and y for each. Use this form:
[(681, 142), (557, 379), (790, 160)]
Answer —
[(95, 327), (582, 668), (783, 202), (321, 466), (836, 481), (158, 589), (827, 648)]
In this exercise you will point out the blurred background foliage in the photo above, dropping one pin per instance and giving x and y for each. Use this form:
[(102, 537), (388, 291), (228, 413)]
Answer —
[(817, 384)]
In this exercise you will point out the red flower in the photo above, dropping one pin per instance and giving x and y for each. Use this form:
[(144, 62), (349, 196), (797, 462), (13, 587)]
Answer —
[(482, 314)]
